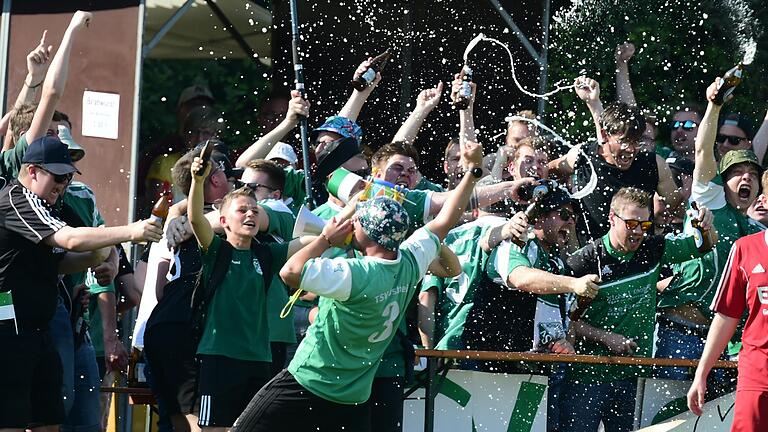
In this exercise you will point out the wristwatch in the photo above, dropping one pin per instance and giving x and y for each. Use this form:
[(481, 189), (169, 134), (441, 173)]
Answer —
[(477, 172)]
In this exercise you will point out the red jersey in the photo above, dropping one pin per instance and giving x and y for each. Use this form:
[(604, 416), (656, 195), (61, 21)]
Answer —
[(744, 285)]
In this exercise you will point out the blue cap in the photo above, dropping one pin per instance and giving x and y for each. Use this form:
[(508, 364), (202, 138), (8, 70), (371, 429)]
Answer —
[(340, 125), (51, 154)]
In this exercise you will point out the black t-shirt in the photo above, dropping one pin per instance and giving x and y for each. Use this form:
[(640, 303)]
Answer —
[(175, 306), (642, 174), (28, 267)]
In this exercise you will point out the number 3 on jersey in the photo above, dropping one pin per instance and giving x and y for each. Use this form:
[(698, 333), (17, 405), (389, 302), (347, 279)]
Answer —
[(391, 312)]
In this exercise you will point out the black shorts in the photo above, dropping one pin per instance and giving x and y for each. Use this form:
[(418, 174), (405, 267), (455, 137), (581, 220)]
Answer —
[(170, 354), (30, 379), (225, 387), (386, 403), (284, 405)]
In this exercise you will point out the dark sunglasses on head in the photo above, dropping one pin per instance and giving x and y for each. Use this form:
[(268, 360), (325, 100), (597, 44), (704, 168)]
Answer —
[(686, 125), (734, 140), (58, 178), (363, 172), (633, 223)]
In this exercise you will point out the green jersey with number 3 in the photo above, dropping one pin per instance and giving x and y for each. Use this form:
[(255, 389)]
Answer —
[(362, 303)]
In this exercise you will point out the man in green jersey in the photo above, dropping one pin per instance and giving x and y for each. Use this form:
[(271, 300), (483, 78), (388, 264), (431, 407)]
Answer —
[(728, 190), (620, 319), (330, 378)]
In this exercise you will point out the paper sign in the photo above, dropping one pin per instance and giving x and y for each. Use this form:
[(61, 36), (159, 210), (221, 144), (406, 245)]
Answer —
[(100, 114)]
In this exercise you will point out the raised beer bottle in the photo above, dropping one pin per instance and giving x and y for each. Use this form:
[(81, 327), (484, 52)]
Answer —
[(727, 84), (465, 92), (362, 81)]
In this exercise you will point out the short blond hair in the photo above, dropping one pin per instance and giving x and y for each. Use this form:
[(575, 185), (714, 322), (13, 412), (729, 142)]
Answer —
[(631, 196), (244, 191)]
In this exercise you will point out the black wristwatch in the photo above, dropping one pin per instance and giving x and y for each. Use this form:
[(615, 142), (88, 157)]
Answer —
[(477, 172)]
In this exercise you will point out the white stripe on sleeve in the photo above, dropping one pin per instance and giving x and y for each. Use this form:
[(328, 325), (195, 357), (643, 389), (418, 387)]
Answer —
[(328, 278)]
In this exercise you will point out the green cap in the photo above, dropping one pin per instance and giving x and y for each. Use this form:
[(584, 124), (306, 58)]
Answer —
[(734, 157)]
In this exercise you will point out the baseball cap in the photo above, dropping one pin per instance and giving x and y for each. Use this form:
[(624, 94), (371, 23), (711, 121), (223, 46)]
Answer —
[(681, 164), (384, 221), (193, 92), (75, 150), (283, 151), (51, 154), (553, 200), (740, 121), (340, 125), (734, 157)]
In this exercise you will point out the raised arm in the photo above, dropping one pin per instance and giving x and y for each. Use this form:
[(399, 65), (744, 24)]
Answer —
[(446, 265), (564, 166), (297, 107), (667, 188), (538, 281), (588, 90), (624, 93), (56, 78), (760, 143), (466, 116), (453, 208), (201, 228), (705, 165), (425, 103), (354, 105)]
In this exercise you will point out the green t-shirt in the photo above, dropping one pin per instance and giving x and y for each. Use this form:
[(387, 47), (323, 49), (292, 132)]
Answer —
[(426, 185), (326, 211), (81, 200), (280, 230), (10, 160), (362, 303), (507, 257), (417, 204), (237, 325), (695, 281), (455, 296), (626, 301), (294, 190)]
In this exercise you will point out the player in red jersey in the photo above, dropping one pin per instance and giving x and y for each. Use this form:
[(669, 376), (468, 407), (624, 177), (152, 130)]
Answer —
[(744, 285)]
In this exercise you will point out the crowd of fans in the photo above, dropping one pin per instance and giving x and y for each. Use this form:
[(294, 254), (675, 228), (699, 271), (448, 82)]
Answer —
[(629, 269)]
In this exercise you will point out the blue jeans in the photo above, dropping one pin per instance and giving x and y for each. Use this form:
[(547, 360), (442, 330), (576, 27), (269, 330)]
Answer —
[(60, 330), (86, 411), (583, 406), (554, 393), (673, 343)]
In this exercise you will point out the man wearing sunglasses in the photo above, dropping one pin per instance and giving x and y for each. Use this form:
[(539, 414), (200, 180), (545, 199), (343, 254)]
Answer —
[(33, 245), (683, 130), (621, 318), (735, 133), (616, 159), (728, 189)]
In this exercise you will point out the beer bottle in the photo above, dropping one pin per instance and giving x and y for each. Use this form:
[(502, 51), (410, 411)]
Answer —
[(161, 207), (136, 364), (360, 82), (579, 307), (465, 92), (533, 192), (727, 84), (702, 237)]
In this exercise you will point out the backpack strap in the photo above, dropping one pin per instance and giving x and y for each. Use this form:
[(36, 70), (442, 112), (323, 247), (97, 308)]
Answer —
[(220, 268)]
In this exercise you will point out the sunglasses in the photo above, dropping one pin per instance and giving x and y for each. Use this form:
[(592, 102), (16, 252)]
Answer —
[(254, 186), (686, 125), (734, 140), (566, 215), (633, 223), (58, 178)]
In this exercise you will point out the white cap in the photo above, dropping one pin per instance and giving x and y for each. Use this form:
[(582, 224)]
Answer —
[(66, 137), (283, 151)]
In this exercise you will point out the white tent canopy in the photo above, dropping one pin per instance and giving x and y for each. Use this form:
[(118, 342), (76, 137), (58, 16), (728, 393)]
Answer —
[(192, 29)]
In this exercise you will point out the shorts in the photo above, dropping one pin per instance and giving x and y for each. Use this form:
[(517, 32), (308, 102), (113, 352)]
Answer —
[(170, 354), (226, 385), (285, 405), (31, 379), (386, 403), (749, 414)]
